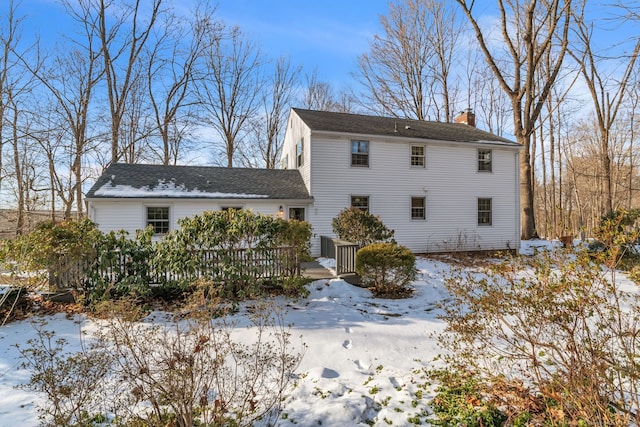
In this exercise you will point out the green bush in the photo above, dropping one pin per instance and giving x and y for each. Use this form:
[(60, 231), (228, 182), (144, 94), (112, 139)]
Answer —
[(231, 249), (360, 227), (298, 234), (60, 248), (618, 235), (460, 401), (113, 251), (387, 268)]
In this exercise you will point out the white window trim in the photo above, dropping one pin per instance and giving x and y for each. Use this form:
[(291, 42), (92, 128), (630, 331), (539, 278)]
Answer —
[(351, 196), (368, 165), (490, 224), (424, 198), (145, 214), (490, 170), (424, 156), (304, 208)]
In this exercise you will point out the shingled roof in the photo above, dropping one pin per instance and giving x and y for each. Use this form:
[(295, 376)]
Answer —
[(121, 180), (326, 121)]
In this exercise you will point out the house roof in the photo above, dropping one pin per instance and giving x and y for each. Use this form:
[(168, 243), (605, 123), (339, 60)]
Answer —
[(327, 121), (122, 180)]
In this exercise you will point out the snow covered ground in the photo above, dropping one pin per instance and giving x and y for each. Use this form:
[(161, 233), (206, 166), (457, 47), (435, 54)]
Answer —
[(363, 365)]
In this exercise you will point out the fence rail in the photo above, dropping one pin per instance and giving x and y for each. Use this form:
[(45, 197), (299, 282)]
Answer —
[(343, 252), (215, 264)]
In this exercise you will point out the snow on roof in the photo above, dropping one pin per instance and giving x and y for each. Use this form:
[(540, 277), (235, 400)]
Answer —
[(166, 189)]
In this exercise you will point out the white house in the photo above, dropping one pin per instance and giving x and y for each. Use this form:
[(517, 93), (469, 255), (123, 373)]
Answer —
[(132, 196), (440, 186)]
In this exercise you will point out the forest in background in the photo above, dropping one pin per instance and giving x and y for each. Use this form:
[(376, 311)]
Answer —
[(136, 81)]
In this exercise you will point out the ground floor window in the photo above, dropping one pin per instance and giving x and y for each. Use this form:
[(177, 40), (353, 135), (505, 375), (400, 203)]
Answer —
[(360, 202), (418, 210), (296, 213), (484, 211), (158, 218)]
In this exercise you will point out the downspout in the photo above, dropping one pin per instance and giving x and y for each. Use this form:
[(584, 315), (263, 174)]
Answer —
[(517, 201)]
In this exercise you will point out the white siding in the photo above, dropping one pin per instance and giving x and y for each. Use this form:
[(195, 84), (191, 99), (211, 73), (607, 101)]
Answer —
[(297, 129), (130, 215), (449, 181)]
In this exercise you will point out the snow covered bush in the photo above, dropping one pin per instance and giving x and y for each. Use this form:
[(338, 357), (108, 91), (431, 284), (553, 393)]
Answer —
[(362, 228), (197, 373), (386, 268), (193, 371), (560, 327)]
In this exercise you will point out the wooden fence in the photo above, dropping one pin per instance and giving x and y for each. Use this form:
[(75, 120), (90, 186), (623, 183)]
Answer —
[(343, 252), (223, 265)]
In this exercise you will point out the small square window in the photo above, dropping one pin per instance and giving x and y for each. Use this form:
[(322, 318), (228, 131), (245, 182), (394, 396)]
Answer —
[(418, 210), (296, 213), (360, 153), (484, 212), (360, 202), (158, 218), (484, 160), (417, 155)]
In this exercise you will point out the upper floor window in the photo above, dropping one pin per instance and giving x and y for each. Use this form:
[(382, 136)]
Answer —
[(300, 152), (418, 208), (284, 163), (360, 202), (360, 153), (484, 160), (158, 218), (484, 212), (417, 155)]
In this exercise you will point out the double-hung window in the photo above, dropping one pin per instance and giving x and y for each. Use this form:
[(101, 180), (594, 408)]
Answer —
[(360, 153), (158, 218), (360, 202), (417, 156), (484, 160), (418, 210), (484, 212)]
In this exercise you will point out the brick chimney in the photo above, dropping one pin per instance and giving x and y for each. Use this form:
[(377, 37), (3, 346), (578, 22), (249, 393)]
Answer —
[(467, 117)]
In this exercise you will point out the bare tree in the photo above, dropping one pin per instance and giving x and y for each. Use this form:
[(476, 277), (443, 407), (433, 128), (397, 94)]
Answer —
[(529, 30), (320, 95), (16, 86), (124, 32), (407, 70), (71, 77), (171, 72), (265, 145), (9, 36), (607, 92), (229, 92)]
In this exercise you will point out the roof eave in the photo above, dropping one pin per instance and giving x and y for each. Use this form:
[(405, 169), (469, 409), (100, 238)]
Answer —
[(404, 138)]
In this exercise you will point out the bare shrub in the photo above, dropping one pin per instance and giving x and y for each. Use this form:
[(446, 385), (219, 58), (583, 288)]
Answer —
[(566, 331), (72, 383), (197, 373)]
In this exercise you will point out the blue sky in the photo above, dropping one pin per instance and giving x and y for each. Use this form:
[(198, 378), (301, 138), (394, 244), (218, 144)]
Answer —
[(327, 34)]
